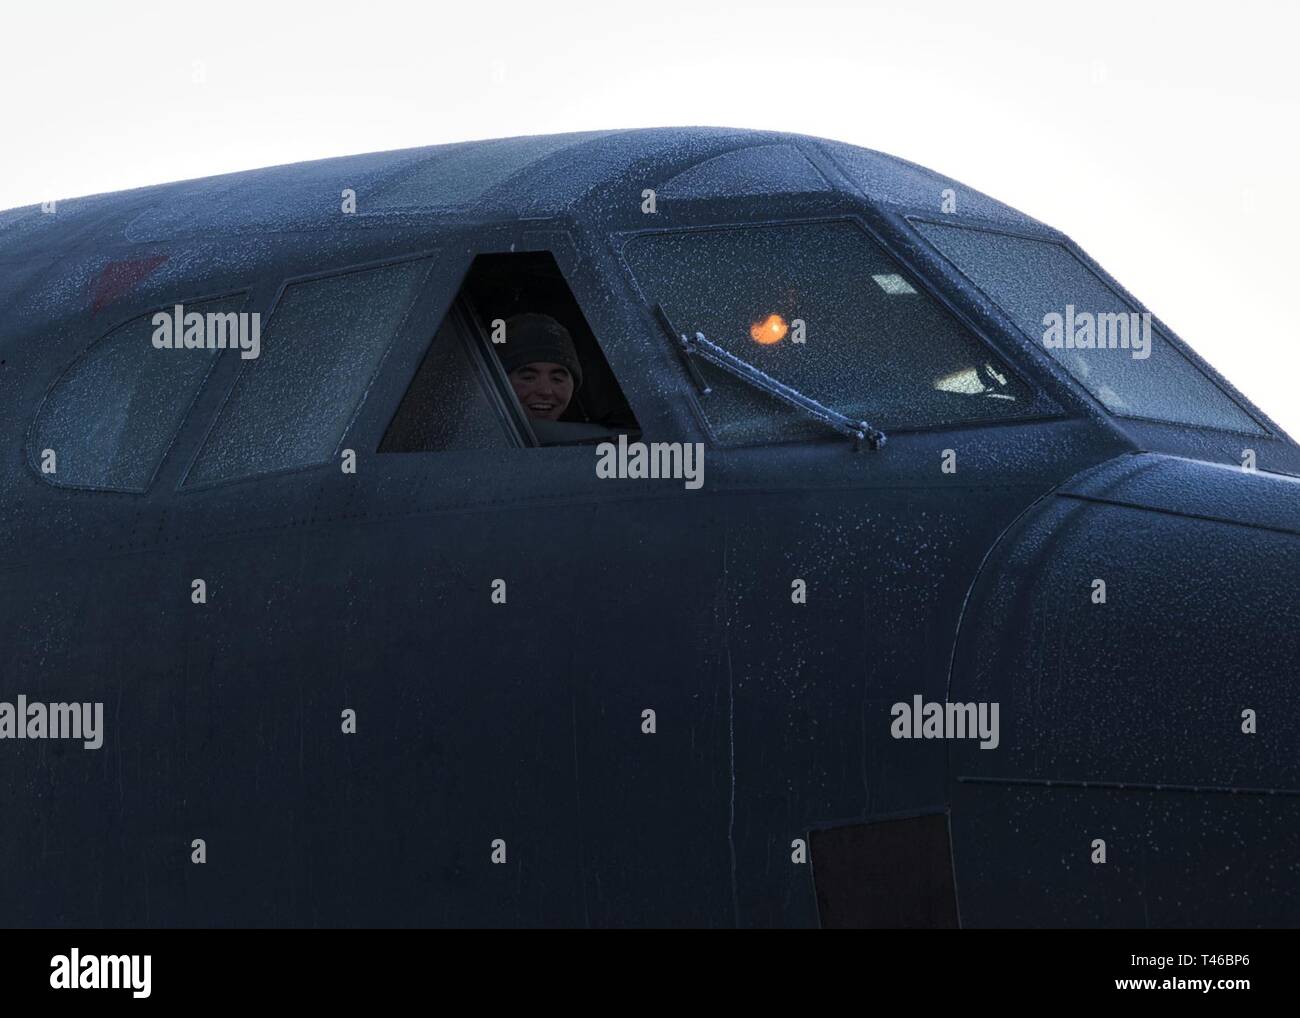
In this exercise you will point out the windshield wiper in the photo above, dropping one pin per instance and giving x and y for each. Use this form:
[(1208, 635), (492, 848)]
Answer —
[(859, 431)]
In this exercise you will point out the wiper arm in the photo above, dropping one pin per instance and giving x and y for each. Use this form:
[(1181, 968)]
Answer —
[(859, 431)]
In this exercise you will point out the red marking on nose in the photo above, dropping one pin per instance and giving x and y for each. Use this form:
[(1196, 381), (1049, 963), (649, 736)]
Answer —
[(117, 278)]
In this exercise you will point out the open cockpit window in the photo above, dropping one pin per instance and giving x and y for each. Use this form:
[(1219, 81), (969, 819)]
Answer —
[(822, 309), (514, 362)]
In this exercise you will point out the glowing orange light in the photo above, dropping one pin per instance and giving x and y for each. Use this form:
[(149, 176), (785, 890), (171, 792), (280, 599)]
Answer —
[(771, 330)]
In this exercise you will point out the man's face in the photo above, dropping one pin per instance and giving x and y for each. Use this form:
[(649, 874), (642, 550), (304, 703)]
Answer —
[(544, 389)]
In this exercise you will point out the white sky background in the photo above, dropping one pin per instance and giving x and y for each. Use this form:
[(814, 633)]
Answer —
[(1163, 137)]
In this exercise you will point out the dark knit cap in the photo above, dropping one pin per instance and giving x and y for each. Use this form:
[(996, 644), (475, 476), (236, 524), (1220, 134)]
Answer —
[(531, 338)]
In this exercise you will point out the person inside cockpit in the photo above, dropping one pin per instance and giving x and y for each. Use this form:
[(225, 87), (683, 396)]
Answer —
[(542, 363)]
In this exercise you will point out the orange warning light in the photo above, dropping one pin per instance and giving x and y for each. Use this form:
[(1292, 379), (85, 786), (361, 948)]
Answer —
[(771, 330)]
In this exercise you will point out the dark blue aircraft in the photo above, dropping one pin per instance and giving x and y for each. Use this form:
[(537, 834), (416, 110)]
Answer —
[(860, 553)]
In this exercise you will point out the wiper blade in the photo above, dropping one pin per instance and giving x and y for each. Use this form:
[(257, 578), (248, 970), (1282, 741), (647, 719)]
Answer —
[(859, 431)]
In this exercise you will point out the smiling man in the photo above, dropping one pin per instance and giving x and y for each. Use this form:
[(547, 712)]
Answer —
[(542, 362)]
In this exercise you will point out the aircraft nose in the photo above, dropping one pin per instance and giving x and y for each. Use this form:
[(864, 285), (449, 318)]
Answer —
[(1140, 632), (1163, 598)]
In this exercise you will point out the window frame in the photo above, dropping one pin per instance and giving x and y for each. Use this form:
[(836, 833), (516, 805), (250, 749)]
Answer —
[(457, 312)]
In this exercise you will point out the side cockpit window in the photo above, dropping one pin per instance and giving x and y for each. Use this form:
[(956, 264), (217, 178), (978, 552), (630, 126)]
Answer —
[(514, 362), (290, 407), (109, 419), (823, 309), (1105, 343)]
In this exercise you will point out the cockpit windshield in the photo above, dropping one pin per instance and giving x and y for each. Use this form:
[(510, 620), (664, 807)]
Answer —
[(822, 309)]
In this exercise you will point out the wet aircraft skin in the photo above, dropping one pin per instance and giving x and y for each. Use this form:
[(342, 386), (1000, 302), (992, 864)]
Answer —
[(501, 772)]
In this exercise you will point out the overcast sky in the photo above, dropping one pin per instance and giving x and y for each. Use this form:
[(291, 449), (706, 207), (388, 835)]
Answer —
[(1163, 137)]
